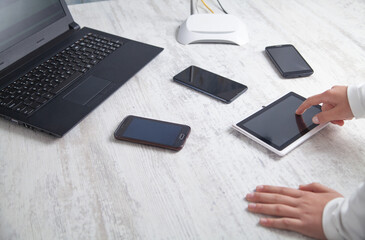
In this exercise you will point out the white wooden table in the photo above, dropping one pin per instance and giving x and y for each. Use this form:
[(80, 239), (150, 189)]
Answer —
[(87, 185)]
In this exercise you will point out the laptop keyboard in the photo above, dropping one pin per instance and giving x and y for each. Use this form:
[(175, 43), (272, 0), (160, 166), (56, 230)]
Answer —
[(43, 83)]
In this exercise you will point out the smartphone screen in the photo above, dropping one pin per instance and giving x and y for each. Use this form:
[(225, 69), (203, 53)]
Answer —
[(288, 61), (210, 83), (152, 132)]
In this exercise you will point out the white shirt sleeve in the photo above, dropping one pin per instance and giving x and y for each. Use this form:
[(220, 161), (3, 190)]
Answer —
[(345, 218), (356, 97)]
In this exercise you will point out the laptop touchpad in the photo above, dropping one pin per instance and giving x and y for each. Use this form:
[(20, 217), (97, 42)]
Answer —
[(87, 90)]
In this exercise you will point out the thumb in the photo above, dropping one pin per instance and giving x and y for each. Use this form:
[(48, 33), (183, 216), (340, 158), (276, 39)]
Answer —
[(325, 117), (315, 187)]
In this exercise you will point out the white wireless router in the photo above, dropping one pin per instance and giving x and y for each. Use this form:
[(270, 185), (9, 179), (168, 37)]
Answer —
[(212, 28)]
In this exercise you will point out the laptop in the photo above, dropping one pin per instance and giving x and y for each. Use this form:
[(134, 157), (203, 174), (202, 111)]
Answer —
[(52, 72)]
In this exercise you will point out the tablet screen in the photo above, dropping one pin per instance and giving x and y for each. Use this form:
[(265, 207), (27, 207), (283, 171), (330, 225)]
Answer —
[(278, 125)]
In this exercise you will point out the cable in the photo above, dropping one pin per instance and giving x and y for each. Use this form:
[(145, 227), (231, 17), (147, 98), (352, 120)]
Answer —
[(222, 7), (207, 6)]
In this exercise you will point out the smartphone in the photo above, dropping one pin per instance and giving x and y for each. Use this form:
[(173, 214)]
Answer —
[(288, 61), (152, 132), (210, 83)]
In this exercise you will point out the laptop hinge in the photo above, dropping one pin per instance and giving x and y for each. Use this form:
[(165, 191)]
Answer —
[(74, 26)]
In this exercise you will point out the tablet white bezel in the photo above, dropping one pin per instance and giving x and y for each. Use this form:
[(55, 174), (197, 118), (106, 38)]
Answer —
[(288, 148)]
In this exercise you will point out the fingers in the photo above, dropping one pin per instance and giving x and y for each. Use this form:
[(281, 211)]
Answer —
[(324, 117), (335, 107), (279, 210), (327, 107), (282, 223), (315, 187), (338, 122), (314, 100), (271, 198), (279, 190)]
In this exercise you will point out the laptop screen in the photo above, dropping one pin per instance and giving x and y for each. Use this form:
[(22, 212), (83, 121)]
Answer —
[(20, 19)]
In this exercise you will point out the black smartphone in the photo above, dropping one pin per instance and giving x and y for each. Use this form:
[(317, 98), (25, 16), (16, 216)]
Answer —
[(288, 61), (152, 132), (210, 83)]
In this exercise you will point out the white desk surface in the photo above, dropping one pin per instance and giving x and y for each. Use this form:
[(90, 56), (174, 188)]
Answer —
[(87, 185)]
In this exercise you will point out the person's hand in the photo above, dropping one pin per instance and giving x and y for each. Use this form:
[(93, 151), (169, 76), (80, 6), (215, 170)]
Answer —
[(335, 108), (298, 210)]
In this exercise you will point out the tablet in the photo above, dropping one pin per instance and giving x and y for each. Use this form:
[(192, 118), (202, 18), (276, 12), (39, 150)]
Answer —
[(278, 128)]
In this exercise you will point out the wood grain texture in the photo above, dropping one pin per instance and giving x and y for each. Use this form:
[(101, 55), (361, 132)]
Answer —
[(89, 186)]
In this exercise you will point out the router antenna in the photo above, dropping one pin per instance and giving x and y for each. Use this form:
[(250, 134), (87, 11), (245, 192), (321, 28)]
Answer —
[(192, 8)]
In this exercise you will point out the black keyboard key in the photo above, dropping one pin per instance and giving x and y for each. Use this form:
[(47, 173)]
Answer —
[(90, 50), (41, 100), (28, 93), (21, 97), (6, 102), (47, 95), (20, 107), (35, 105), (3, 95), (28, 101), (14, 104), (66, 83), (52, 85), (27, 110), (47, 89), (93, 62)]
